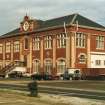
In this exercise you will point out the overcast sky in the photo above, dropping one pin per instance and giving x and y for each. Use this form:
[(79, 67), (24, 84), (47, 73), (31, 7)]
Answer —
[(13, 11)]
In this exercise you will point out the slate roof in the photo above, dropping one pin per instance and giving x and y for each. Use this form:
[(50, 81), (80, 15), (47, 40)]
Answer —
[(69, 19), (11, 33)]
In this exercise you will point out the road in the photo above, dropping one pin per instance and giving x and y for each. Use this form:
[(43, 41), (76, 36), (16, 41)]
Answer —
[(43, 87)]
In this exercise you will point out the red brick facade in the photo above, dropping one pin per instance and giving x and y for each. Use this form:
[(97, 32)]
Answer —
[(54, 54)]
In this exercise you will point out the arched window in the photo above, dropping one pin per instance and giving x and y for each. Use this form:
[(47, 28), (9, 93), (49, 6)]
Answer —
[(48, 66), (82, 58), (61, 66), (26, 43), (36, 66)]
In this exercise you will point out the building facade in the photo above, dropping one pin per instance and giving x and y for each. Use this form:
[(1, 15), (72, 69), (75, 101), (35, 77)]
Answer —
[(54, 45)]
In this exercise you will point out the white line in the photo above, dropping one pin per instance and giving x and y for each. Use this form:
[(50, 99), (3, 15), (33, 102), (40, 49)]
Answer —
[(65, 93), (65, 88)]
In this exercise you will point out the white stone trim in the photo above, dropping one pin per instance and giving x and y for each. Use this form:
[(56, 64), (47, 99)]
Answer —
[(97, 53)]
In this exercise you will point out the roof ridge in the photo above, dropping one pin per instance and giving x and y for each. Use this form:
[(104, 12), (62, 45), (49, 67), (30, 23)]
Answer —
[(74, 18), (61, 17)]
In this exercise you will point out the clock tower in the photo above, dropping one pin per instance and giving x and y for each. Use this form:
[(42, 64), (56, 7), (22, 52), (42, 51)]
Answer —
[(28, 24)]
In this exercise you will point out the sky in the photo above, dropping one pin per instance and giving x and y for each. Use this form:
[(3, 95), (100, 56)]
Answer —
[(13, 11)]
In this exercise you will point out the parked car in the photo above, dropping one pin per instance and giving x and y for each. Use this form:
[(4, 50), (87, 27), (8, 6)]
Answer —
[(41, 77), (71, 74), (15, 74)]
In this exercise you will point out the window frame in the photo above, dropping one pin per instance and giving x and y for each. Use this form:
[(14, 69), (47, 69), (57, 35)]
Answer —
[(36, 43), (100, 42), (61, 66), (8, 47), (48, 66), (61, 40), (26, 43), (1, 48), (81, 59), (16, 46), (48, 42), (97, 62), (80, 40), (36, 65)]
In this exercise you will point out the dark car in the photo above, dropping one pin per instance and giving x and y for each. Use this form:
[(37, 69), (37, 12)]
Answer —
[(15, 74), (36, 76), (41, 77)]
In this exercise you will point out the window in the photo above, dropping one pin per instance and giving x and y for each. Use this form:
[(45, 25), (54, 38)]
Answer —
[(48, 42), (82, 58), (16, 46), (61, 66), (36, 66), (8, 47), (36, 43), (80, 40), (26, 43), (1, 48), (98, 62), (1, 65), (61, 40), (48, 66), (100, 42)]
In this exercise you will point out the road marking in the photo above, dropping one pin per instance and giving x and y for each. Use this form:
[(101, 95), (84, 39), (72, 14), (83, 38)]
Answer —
[(66, 94), (65, 88)]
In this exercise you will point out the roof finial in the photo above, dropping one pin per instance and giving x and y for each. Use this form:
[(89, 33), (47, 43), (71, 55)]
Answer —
[(26, 17)]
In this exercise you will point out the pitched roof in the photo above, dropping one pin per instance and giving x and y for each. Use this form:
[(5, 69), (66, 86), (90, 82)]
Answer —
[(11, 33), (58, 21), (69, 19), (86, 22)]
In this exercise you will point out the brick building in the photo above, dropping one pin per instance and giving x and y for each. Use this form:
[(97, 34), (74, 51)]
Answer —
[(53, 45)]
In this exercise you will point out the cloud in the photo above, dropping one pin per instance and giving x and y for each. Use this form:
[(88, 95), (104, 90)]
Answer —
[(13, 11)]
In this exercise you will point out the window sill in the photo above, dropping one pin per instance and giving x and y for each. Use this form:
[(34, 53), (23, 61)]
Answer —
[(100, 49), (81, 47)]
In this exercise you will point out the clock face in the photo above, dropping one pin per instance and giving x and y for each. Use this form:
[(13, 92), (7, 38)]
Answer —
[(26, 26)]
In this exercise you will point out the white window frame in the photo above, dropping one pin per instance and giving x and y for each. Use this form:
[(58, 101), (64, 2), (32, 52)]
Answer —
[(8, 47), (100, 42), (48, 42), (80, 40), (16, 46), (1, 65), (82, 60), (61, 66), (36, 66), (48, 66), (1, 48), (61, 40), (36, 43)]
